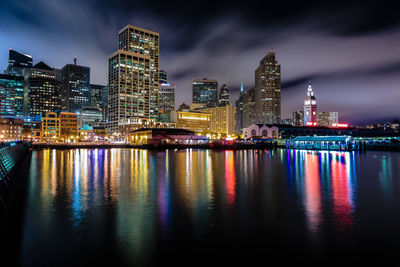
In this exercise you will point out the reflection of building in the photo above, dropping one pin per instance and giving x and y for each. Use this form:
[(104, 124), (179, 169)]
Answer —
[(75, 87), (45, 90), (268, 90), (133, 76), (298, 118), (195, 121), (222, 119), (205, 92), (10, 129), (310, 107), (165, 136), (11, 95), (166, 102), (91, 116), (328, 118), (261, 130)]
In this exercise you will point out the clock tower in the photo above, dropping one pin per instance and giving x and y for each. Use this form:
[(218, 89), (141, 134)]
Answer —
[(310, 108)]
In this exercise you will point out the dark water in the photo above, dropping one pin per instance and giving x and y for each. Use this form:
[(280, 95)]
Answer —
[(128, 207)]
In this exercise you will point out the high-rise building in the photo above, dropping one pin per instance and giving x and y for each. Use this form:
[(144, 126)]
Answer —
[(328, 118), (163, 77), (96, 95), (239, 110), (11, 95), (91, 116), (75, 82), (222, 119), (133, 77), (249, 113), (298, 118), (268, 90), (310, 108), (166, 102), (17, 62), (44, 90), (223, 96), (205, 92)]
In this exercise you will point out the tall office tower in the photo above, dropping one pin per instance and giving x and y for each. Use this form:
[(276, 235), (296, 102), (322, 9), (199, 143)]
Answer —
[(166, 103), (239, 110), (75, 85), (205, 92), (19, 64), (45, 90), (249, 103), (11, 95), (96, 95), (133, 76), (298, 118), (310, 107), (223, 96), (268, 90), (163, 77)]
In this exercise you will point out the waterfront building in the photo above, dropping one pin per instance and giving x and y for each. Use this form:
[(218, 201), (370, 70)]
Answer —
[(223, 96), (133, 77), (131, 124), (239, 110), (327, 119), (249, 112), (11, 95), (44, 90), (166, 103), (222, 119), (205, 92), (267, 90), (163, 77), (261, 131), (91, 116), (59, 126), (298, 118), (166, 137), (10, 129), (310, 108), (196, 121), (75, 81)]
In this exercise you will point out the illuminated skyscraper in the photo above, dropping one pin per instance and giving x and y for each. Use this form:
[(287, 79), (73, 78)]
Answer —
[(163, 77), (223, 96), (205, 92), (133, 76), (268, 90), (166, 103), (45, 90), (11, 95), (75, 82), (239, 110), (310, 107)]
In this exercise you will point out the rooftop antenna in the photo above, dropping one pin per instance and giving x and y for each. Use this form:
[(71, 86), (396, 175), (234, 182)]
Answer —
[(75, 61)]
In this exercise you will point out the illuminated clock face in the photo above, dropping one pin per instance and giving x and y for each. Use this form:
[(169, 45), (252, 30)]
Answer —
[(313, 112), (308, 113)]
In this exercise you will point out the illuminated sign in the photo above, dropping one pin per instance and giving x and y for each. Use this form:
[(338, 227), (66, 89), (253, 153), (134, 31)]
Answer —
[(340, 125), (311, 123)]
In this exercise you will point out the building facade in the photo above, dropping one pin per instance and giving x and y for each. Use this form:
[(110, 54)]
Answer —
[(261, 131), (163, 77), (298, 118), (10, 129), (91, 116), (205, 92), (239, 110), (166, 102), (326, 119), (249, 112), (59, 126), (310, 108), (223, 96), (198, 122), (11, 95), (268, 90), (44, 90), (75, 83), (96, 95), (133, 77), (223, 119)]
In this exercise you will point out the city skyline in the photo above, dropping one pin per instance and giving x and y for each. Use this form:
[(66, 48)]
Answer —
[(341, 53)]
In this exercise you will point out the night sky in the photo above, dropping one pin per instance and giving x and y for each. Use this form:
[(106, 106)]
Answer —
[(349, 50)]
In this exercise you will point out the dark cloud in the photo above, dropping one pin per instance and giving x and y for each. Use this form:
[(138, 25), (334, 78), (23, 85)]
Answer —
[(349, 49)]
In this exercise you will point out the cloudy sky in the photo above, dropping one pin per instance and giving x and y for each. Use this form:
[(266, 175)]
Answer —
[(350, 50)]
